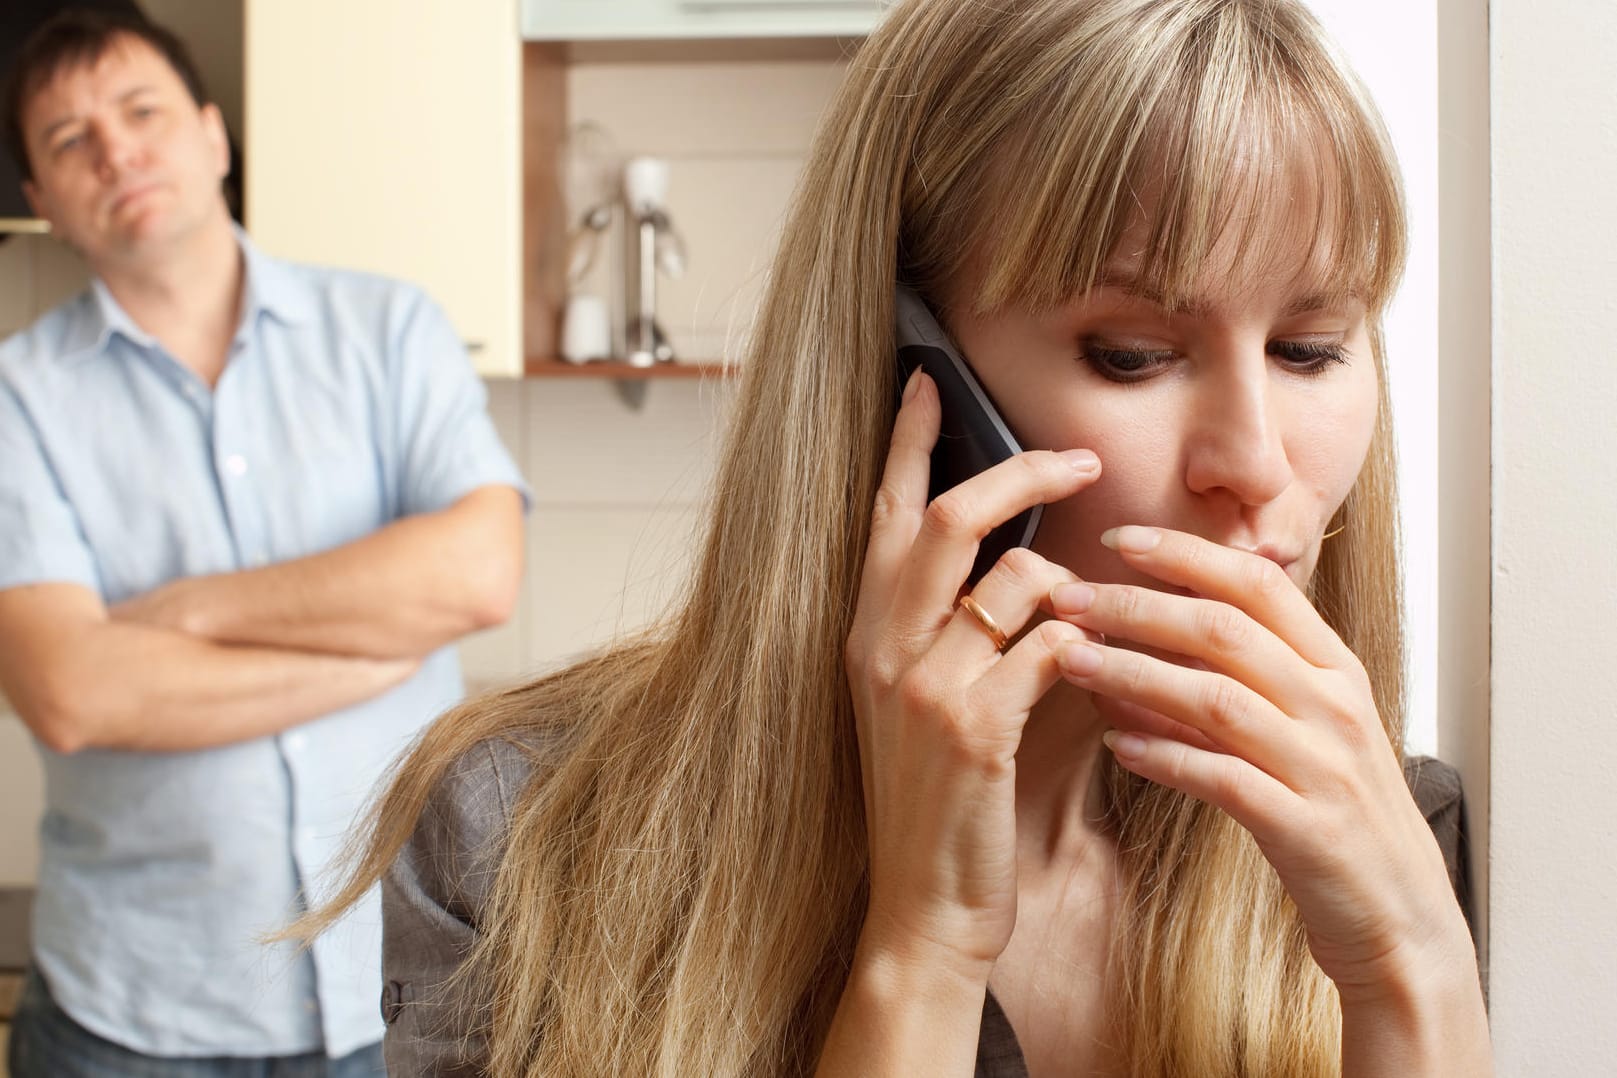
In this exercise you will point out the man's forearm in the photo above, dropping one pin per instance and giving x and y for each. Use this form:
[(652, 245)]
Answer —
[(139, 688), (401, 592)]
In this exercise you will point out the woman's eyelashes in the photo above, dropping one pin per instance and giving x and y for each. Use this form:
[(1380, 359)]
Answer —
[(1137, 364), (1123, 364)]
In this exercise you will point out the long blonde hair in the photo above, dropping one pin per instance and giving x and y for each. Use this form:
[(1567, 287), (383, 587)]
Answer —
[(683, 885)]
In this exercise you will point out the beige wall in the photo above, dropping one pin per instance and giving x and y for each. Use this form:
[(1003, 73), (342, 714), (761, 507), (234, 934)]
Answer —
[(1554, 744), (616, 490), (36, 273)]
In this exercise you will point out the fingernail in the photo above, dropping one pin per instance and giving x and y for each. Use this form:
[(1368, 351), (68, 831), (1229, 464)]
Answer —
[(1071, 598), (1131, 539), (1082, 461), (1123, 744), (1080, 660), (912, 385)]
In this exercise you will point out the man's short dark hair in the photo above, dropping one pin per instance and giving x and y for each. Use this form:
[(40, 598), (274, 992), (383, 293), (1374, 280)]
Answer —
[(75, 37)]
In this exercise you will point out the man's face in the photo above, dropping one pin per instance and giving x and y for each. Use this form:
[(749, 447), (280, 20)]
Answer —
[(125, 164)]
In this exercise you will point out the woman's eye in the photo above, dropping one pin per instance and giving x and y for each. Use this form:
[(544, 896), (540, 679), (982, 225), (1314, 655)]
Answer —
[(1308, 357), (1134, 364), (1123, 364)]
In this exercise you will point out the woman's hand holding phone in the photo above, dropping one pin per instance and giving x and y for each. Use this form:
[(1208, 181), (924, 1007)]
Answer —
[(940, 710)]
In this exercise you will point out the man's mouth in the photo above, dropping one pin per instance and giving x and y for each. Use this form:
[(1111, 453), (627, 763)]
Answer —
[(133, 194)]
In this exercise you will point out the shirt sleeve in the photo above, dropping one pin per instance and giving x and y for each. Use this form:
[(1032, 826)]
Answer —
[(447, 445), (1435, 786), (41, 539)]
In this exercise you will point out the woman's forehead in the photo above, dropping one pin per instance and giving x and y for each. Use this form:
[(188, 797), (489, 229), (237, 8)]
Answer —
[(1285, 238), (1280, 227)]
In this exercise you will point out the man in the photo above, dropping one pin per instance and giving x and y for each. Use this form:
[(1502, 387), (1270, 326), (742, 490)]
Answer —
[(245, 508)]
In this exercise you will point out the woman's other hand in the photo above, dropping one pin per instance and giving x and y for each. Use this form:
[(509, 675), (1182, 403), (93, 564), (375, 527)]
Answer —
[(1274, 722)]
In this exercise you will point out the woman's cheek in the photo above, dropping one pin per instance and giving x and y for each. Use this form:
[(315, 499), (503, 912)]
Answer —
[(1332, 440), (1129, 491)]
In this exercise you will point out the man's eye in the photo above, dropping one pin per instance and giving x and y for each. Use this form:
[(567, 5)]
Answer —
[(1123, 364), (72, 142)]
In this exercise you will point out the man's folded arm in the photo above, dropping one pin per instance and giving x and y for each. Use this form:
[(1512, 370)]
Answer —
[(81, 680), (403, 591)]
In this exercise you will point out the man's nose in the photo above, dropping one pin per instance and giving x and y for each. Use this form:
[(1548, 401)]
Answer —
[(1237, 441), (117, 149)]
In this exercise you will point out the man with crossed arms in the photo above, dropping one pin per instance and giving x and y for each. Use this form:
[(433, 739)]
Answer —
[(246, 507)]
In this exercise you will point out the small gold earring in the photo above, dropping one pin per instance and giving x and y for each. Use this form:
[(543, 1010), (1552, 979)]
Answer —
[(1338, 531)]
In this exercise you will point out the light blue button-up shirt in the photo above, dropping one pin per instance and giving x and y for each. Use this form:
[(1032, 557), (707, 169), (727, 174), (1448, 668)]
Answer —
[(347, 402)]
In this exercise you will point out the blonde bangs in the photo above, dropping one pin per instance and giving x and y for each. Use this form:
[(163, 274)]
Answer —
[(1225, 127)]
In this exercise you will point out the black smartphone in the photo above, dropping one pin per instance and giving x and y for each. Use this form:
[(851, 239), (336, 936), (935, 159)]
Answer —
[(974, 436)]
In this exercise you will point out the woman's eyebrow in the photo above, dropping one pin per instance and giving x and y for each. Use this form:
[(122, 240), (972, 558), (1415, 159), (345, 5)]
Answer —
[(1199, 307), (1321, 301)]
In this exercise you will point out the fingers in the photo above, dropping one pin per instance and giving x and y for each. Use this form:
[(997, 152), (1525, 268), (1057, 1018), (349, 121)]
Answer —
[(1021, 677), (1229, 713), (1253, 799), (1223, 636), (1010, 593), (957, 520), (901, 498), (1122, 715), (1243, 579)]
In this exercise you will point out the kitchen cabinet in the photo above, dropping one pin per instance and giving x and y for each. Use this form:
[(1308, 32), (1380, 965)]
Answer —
[(388, 137), (648, 20)]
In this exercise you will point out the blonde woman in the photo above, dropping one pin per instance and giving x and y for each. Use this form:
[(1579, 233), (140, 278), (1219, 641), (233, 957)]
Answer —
[(1141, 812)]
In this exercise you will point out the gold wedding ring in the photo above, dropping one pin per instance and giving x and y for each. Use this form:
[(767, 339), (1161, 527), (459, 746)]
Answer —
[(995, 633)]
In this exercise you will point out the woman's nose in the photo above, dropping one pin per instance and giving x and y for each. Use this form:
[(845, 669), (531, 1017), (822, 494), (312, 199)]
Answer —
[(1237, 441)]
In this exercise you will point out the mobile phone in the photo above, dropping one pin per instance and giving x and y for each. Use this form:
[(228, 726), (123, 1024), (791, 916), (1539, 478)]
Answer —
[(974, 436)]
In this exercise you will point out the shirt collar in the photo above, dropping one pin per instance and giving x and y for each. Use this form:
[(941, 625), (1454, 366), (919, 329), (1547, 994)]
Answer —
[(272, 287), (108, 318), (269, 286)]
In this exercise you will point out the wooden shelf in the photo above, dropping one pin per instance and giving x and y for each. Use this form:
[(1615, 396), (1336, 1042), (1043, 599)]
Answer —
[(618, 370)]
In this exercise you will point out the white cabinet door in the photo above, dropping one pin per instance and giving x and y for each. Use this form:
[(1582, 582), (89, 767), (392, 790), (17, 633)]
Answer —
[(604, 20), (385, 135)]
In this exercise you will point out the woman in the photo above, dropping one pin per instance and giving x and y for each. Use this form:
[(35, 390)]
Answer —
[(827, 819)]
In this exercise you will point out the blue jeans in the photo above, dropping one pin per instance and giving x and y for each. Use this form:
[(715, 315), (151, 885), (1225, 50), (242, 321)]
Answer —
[(46, 1043)]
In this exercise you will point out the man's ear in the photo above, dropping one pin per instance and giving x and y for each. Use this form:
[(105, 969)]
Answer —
[(36, 200), (213, 122)]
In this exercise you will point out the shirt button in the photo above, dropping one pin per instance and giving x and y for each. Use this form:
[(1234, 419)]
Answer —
[(295, 741), (236, 464)]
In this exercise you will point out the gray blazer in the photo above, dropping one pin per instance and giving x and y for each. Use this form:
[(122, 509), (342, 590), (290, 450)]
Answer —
[(436, 891)]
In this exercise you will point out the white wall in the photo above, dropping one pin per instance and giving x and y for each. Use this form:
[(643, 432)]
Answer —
[(1554, 834), (1393, 46)]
